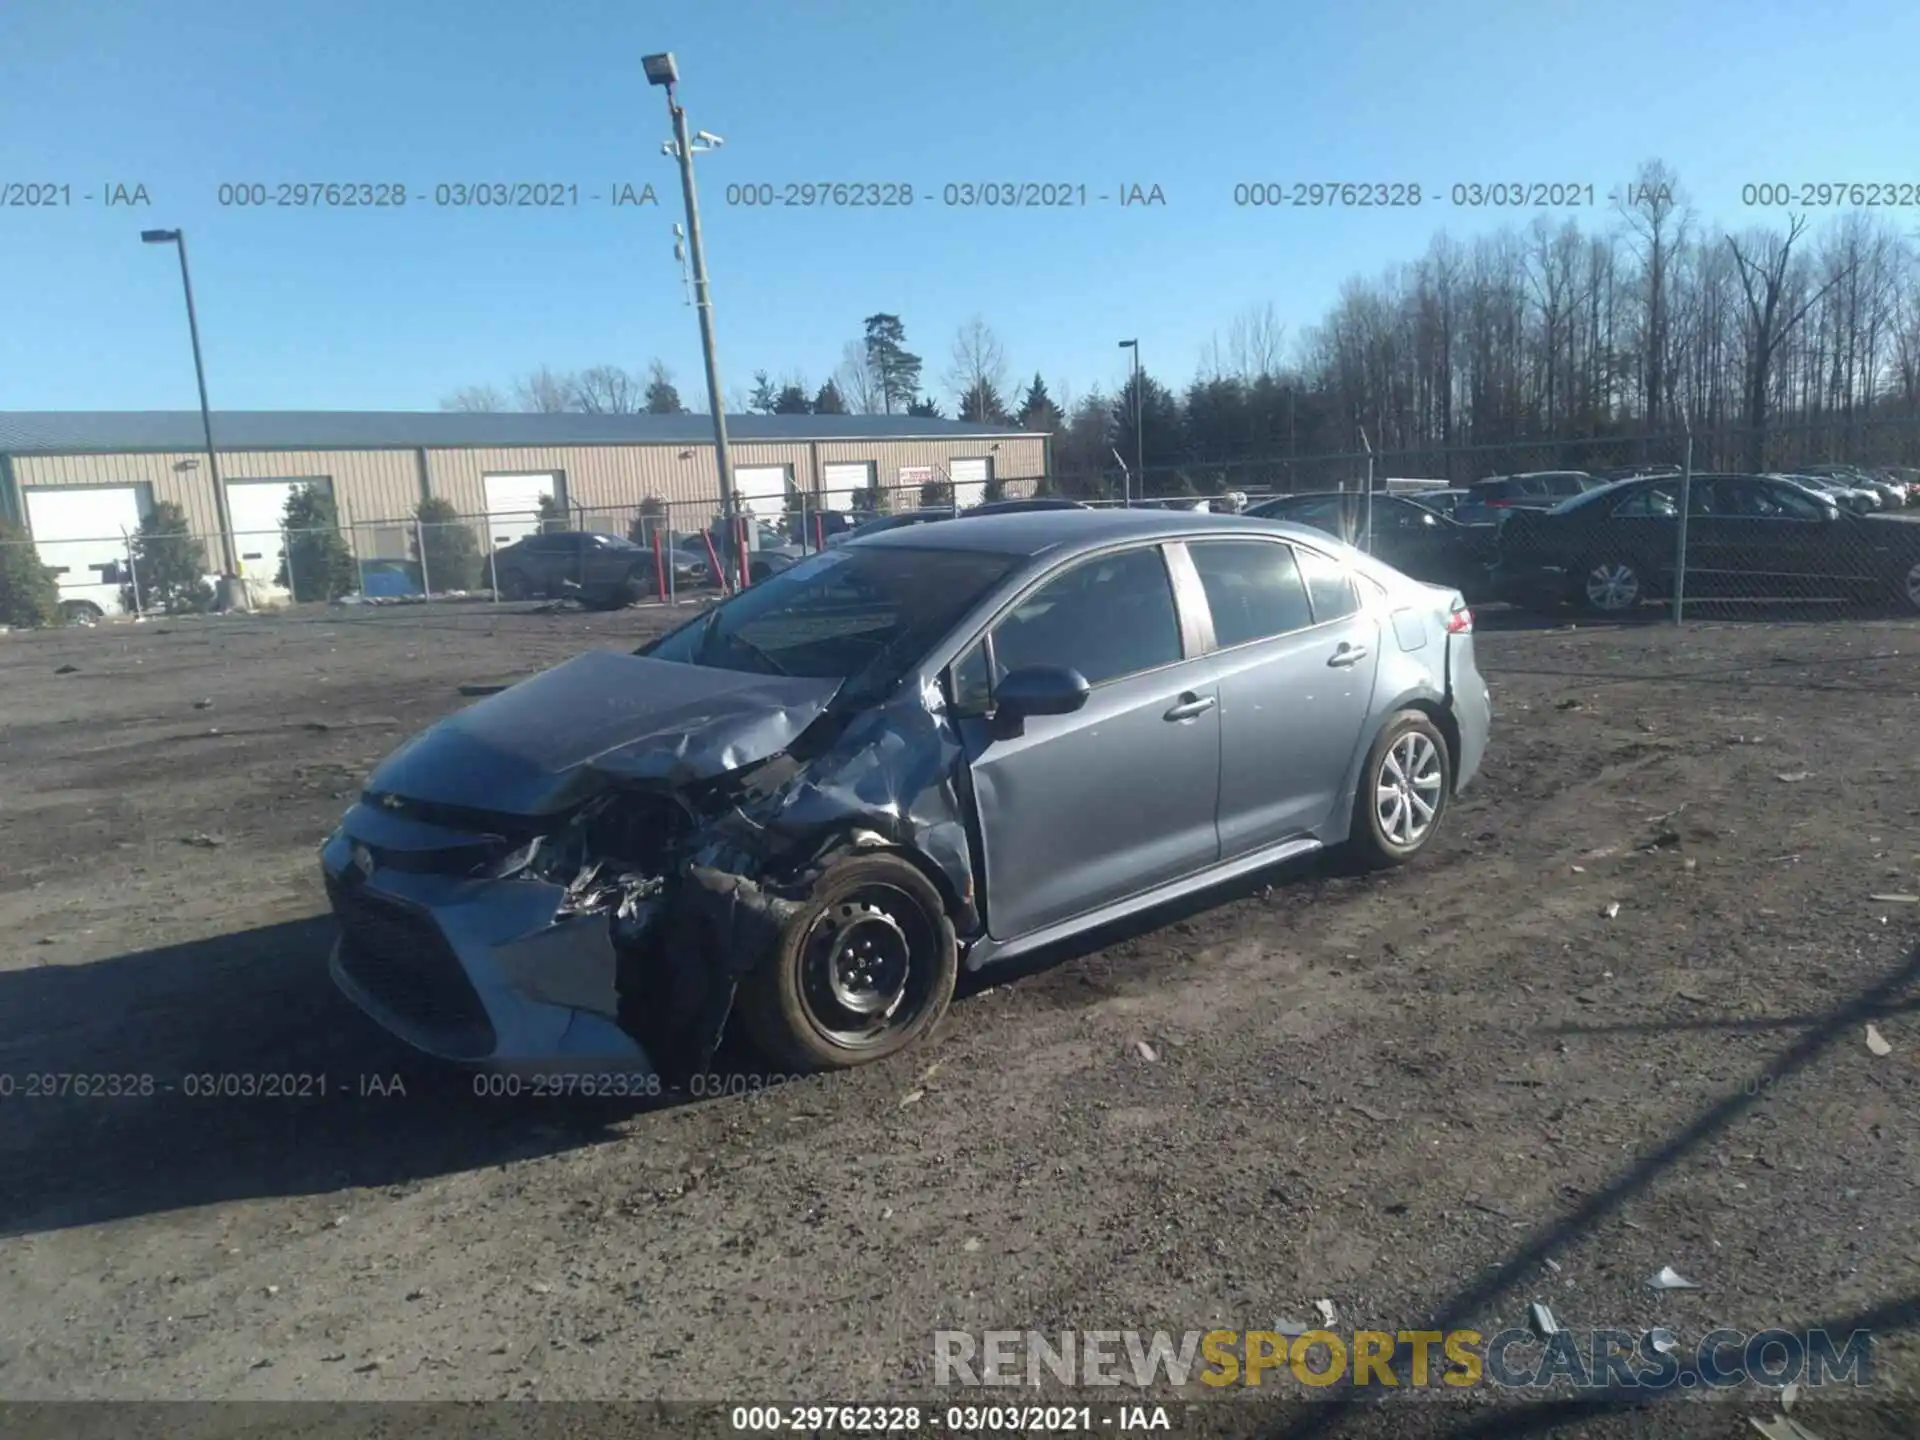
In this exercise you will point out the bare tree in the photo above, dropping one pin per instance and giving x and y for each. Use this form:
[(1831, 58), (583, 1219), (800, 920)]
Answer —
[(608, 390), (1257, 343), (543, 392), (979, 365), (475, 399), (1652, 210), (1765, 269), (856, 382)]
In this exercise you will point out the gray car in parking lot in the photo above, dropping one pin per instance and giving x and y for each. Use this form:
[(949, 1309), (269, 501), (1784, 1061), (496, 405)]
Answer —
[(939, 746)]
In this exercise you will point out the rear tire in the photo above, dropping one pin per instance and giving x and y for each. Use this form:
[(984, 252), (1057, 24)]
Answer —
[(513, 586), (1610, 586), (863, 970), (1403, 792), (77, 611), (1906, 591)]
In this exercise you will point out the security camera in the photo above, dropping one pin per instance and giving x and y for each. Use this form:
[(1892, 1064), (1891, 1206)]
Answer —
[(666, 147), (709, 137)]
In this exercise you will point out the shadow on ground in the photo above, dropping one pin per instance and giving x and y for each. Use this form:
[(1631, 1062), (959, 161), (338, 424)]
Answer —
[(120, 1087)]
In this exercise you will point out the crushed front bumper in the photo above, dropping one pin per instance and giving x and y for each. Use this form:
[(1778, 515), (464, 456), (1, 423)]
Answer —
[(477, 972)]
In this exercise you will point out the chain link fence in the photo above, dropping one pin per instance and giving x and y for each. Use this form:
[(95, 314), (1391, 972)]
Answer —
[(1614, 527)]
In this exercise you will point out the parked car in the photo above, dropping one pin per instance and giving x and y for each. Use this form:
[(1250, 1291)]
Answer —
[(1488, 500), (770, 553), (1441, 502), (942, 745), (881, 524), (1407, 535), (1015, 507), (1747, 535), (601, 571), (1847, 497)]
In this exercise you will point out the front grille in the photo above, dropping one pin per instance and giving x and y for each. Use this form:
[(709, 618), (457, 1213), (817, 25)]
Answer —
[(400, 957)]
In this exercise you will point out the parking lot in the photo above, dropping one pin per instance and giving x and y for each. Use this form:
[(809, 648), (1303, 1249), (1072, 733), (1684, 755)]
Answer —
[(1617, 1020)]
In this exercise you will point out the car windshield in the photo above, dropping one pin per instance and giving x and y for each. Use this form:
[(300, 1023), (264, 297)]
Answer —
[(861, 614)]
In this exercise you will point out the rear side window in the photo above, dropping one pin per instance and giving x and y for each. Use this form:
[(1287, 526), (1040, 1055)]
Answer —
[(1254, 589), (1329, 587)]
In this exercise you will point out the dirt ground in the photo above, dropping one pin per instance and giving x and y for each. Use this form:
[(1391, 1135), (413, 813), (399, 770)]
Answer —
[(1405, 1095)]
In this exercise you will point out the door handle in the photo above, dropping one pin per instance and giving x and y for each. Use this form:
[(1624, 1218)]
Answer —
[(1348, 655), (1190, 705)]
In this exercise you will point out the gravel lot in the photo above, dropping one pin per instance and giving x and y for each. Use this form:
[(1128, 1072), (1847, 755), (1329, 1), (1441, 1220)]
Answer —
[(1403, 1094)]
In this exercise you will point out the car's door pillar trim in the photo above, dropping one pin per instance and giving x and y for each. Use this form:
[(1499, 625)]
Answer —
[(1190, 600)]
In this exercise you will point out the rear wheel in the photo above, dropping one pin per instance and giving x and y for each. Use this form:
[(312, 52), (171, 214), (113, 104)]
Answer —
[(1907, 591), (1611, 586), (513, 585), (1402, 793), (864, 969), (80, 612)]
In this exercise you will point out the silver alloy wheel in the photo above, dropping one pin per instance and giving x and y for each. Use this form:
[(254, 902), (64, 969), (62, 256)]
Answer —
[(1913, 585), (1407, 789), (1613, 587)]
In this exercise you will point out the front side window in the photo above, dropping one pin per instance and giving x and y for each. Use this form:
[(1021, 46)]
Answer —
[(865, 615), (1254, 589), (1107, 617), (1659, 502)]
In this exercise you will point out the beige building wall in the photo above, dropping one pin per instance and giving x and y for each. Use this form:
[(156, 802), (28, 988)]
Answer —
[(367, 484), (385, 485)]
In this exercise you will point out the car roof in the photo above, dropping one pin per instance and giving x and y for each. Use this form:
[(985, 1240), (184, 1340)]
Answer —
[(1039, 532)]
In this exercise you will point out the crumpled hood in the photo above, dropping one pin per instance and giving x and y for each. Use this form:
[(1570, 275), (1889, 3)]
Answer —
[(546, 743)]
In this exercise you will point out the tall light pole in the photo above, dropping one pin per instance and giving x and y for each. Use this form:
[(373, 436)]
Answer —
[(662, 71), (178, 239), (1139, 418)]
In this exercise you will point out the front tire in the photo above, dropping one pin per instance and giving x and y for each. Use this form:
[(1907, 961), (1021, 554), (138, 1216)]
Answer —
[(513, 586), (1907, 590), (80, 612), (1403, 792), (864, 969)]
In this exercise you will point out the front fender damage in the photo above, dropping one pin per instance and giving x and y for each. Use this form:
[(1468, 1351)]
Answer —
[(677, 888)]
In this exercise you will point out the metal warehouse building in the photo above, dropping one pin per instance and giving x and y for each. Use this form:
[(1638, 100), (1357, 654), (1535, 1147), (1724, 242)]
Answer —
[(78, 480)]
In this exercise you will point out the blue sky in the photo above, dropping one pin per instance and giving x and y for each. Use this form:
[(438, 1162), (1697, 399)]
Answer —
[(393, 309)]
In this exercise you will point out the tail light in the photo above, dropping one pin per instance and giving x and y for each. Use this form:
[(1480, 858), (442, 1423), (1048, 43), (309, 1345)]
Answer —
[(1459, 618)]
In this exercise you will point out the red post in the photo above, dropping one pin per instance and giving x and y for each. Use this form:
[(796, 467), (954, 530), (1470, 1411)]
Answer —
[(659, 565), (713, 555), (819, 531), (740, 545)]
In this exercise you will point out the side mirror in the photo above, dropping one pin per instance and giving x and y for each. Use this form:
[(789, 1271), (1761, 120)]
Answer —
[(1040, 690)]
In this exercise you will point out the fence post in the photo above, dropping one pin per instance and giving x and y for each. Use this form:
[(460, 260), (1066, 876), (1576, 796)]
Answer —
[(359, 560), (493, 562), (665, 529), (420, 544), (293, 571), (1680, 532), (133, 570)]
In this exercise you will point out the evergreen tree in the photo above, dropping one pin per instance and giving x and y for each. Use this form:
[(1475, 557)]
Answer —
[(29, 593), (1038, 413), (829, 401), (925, 409), (982, 404), (169, 565), (553, 515), (895, 369), (317, 565), (445, 547), (764, 396), (792, 400)]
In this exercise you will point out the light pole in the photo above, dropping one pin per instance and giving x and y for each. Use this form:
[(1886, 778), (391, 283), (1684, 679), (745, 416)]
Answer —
[(1139, 418), (662, 71), (178, 239)]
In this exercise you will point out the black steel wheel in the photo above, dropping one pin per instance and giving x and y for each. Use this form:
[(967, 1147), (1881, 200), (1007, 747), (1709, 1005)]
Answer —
[(864, 969)]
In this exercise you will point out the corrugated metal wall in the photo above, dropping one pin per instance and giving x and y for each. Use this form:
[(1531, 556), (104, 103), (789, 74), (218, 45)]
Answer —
[(374, 485), (367, 484)]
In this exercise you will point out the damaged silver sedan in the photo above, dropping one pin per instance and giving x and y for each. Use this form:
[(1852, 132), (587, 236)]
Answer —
[(807, 807)]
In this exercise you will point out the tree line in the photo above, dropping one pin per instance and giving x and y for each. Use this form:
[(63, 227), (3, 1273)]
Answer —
[(1551, 343)]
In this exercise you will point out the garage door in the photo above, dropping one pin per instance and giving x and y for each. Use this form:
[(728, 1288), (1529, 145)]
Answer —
[(513, 505), (970, 481), (80, 534), (840, 485), (258, 509), (762, 490)]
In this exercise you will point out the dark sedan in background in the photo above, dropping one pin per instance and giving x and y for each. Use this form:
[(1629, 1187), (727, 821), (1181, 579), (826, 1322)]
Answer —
[(1408, 535), (1748, 536), (1490, 500), (604, 571)]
